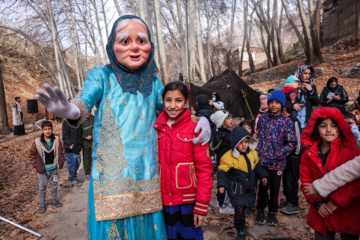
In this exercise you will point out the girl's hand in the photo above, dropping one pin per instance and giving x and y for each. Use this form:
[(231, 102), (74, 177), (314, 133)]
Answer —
[(221, 190), (309, 190), (296, 107), (264, 181), (308, 86), (324, 210), (331, 206), (198, 220)]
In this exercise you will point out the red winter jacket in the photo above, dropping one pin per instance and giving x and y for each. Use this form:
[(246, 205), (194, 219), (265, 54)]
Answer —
[(345, 219), (185, 168)]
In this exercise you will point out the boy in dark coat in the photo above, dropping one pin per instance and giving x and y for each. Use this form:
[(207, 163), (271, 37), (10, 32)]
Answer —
[(238, 172), (73, 144)]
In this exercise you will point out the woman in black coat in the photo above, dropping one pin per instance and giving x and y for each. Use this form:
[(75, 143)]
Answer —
[(334, 95)]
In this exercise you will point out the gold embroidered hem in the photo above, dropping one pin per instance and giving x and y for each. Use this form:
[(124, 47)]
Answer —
[(123, 205), (83, 109)]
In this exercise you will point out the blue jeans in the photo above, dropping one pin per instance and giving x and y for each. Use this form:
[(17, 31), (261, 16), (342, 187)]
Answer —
[(73, 161)]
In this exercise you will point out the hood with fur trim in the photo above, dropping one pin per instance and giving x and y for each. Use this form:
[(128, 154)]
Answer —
[(327, 112), (237, 135)]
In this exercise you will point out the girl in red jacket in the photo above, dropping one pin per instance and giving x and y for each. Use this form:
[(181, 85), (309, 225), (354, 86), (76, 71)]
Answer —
[(185, 167), (330, 143)]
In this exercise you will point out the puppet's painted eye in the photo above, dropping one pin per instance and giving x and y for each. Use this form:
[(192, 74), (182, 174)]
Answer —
[(142, 41), (125, 42)]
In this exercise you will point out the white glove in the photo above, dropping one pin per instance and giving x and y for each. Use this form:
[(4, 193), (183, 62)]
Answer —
[(56, 103), (205, 134)]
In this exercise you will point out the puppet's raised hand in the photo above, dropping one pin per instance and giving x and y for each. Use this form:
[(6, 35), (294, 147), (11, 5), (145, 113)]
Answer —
[(56, 103), (204, 126)]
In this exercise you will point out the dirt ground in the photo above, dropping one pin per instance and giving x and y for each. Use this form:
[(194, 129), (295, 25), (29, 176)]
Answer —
[(19, 203)]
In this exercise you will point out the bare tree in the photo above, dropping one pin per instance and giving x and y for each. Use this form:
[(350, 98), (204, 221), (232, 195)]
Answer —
[(199, 42), (141, 9), (4, 124), (228, 61), (99, 32), (192, 41), (118, 8), (208, 38), (163, 67)]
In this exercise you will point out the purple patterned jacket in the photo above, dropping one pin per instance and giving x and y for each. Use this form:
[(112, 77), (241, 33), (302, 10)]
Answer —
[(276, 138)]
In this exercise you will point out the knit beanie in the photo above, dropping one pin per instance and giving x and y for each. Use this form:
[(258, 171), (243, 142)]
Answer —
[(277, 95), (263, 102), (219, 117)]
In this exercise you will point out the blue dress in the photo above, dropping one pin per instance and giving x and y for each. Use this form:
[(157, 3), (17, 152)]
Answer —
[(124, 192)]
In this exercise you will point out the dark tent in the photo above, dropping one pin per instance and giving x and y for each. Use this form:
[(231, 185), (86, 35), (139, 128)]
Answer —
[(231, 89)]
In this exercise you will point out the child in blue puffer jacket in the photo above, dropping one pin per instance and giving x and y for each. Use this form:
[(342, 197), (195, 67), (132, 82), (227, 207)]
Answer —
[(277, 139)]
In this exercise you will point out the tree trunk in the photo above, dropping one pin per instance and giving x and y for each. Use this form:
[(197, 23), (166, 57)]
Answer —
[(192, 41), (298, 34), (141, 9), (228, 54), (278, 37), (309, 50), (117, 8), (73, 44), (163, 67), (199, 42), (248, 39), (56, 51), (218, 37), (182, 41), (315, 30), (105, 21), (99, 32), (150, 26), (4, 124), (208, 37), (241, 57)]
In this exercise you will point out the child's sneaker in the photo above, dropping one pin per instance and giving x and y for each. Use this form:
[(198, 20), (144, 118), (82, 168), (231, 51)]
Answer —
[(290, 209), (241, 234), (226, 210), (75, 183), (260, 217), (272, 221)]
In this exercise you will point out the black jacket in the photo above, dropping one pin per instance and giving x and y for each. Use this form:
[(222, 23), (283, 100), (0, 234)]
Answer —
[(72, 136), (87, 130), (220, 143), (339, 104)]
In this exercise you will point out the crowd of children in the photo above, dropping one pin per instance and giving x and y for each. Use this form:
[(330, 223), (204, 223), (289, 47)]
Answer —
[(251, 159)]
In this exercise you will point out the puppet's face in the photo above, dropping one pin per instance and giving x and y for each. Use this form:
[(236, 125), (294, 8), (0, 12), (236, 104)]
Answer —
[(132, 47)]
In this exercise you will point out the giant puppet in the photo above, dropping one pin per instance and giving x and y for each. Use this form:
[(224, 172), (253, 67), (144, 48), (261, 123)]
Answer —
[(124, 193)]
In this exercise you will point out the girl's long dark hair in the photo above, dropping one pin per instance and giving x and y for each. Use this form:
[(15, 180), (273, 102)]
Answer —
[(177, 85)]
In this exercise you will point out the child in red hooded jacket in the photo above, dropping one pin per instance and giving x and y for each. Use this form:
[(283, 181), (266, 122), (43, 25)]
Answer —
[(185, 168), (330, 143)]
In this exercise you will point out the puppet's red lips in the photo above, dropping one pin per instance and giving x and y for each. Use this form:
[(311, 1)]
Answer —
[(135, 57)]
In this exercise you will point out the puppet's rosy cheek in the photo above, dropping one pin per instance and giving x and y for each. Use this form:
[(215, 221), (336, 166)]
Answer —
[(120, 48), (146, 47)]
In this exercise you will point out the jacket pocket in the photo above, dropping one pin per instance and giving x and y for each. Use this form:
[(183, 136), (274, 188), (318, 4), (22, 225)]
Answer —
[(185, 176)]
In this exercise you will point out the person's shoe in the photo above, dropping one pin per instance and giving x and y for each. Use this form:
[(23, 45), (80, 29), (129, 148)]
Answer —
[(272, 221), (42, 209), (283, 203), (226, 210), (87, 177), (241, 234), (56, 204), (260, 217), (290, 209), (75, 183)]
